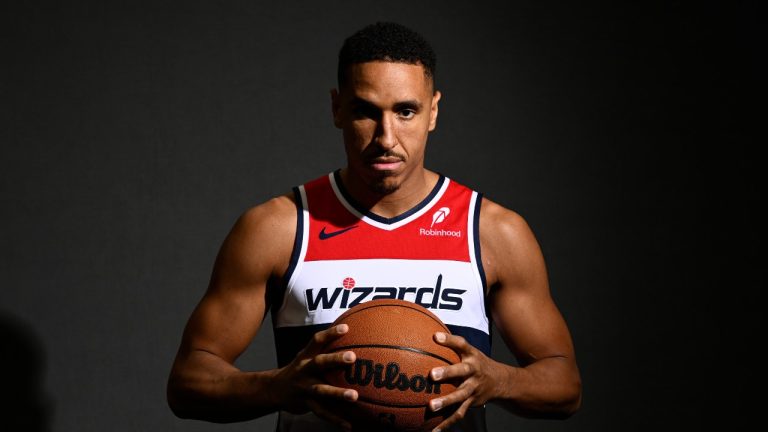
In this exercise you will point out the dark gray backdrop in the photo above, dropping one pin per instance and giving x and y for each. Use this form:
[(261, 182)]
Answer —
[(133, 135)]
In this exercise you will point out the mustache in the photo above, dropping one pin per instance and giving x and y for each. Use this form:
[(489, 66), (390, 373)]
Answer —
[(387, 154)]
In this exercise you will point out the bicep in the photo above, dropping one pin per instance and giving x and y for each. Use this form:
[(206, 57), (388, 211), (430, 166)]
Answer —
[(224, 323), (531, 325), (233, 308), (520, 302)]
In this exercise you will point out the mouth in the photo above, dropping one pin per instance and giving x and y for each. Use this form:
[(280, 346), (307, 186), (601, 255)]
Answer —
[(387, 163)]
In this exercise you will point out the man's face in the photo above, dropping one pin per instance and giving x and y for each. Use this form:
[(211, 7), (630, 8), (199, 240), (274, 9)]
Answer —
[(385, 110)]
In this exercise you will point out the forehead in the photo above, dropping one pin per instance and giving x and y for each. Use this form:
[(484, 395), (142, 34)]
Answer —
[(387, 79)]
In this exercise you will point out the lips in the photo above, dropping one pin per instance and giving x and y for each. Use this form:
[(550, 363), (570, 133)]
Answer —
[(385, 163)]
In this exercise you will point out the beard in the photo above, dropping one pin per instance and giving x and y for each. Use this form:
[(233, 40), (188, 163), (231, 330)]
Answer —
[(385, 182), (383, 187)]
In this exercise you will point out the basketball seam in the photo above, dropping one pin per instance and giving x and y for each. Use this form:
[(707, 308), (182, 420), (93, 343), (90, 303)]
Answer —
[(396, 347)]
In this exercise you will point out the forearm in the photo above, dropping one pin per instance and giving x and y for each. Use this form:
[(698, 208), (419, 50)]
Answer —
[(205, 387), (547, 388)]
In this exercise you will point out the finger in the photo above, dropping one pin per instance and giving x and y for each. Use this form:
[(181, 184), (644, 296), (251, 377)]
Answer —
[(458, 343), (461, 394), (325, 391), (459, 370), (336, 359), (322, 338), (455, 417), (329, 415)]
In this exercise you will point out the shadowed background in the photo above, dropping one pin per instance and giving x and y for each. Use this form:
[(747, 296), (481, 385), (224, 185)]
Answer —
[(133, 136)]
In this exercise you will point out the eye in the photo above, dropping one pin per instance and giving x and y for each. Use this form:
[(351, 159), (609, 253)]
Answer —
[(364, 111), (407, 114)]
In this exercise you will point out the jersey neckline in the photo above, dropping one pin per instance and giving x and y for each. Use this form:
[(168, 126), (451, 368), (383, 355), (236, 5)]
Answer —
[(380, 221)]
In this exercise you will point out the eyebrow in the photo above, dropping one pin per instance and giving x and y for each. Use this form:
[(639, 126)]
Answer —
[(409, 104), (406, 104)]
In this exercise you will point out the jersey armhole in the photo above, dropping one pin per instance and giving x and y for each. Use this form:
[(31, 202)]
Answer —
[(295, 253), (476, 240)]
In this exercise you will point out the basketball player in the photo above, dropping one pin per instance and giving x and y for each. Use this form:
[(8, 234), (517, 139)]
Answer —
[(382, 227)]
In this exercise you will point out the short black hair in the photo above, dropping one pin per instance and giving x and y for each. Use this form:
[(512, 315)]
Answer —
[(386, 41)]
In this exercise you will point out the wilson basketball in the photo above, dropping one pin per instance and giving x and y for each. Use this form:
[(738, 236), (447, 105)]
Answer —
[(395, 353)]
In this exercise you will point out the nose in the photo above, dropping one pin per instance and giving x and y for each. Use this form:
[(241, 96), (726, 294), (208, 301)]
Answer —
[(385, 132)]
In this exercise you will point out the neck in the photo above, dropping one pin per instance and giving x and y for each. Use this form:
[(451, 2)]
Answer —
[(410, 193)]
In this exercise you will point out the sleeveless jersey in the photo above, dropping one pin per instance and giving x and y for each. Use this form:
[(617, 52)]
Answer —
[(345, 255)]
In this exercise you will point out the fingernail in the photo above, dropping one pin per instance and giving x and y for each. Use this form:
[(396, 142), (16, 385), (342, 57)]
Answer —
[(440, 337), (348, 356), (342, 328), (437, 404), (437, 373), (350, 395), (436, 430)]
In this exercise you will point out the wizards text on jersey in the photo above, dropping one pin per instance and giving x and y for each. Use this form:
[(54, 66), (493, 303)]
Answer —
[(435, 297)]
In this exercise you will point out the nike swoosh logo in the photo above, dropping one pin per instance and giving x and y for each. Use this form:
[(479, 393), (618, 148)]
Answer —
[(325, 236)]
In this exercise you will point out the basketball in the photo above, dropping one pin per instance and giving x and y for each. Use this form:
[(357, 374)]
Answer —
[(395, 353)]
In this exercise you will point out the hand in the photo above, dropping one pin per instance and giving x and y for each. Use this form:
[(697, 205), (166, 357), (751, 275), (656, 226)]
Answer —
[(478, 375), (300, 383)]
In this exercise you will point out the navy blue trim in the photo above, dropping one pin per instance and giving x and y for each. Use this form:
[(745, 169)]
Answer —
[(299, 238), (475, 337), (290, 340), (478, 255), (381, 219)]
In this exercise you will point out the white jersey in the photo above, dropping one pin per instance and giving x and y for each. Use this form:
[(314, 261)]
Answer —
[(345, 255)]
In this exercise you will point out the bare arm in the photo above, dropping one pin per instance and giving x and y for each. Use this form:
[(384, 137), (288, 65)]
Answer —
[(547, 384), (204, 383)]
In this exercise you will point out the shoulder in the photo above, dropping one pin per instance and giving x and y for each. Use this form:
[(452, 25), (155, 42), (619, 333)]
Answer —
[(501, 223), (498, 225), (264, 234), (509, 248), (277, 213)]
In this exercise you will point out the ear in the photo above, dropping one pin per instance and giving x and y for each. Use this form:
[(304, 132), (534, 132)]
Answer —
[(336, 107), (433, 110)]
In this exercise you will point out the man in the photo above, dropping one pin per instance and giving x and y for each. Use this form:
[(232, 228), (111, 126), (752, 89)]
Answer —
[(391, 225)]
